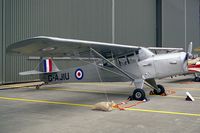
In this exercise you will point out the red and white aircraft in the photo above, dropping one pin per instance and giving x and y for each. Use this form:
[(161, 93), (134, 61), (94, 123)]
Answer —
[(194, 67)]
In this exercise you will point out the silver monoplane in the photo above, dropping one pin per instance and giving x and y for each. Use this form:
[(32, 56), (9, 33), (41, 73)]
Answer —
[(105, 62)]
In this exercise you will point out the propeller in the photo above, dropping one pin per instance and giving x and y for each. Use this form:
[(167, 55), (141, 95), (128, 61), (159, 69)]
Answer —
[(189, 52)]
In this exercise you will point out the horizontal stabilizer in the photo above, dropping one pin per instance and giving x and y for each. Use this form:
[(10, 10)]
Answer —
[(194, 69), (34, 72), (45, 66)]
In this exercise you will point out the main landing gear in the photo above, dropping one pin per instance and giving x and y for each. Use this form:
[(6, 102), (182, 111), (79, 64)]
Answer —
[(160, 90), (139, 94)]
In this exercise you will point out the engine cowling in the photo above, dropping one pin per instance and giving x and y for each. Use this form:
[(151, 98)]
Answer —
[(164, 65)]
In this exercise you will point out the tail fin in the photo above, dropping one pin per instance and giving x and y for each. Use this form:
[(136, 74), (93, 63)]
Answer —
[(48, 66), (45, 66)]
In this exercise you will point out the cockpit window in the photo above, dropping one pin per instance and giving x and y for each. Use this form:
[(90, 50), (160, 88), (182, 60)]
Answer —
[(131, 58), (127, 59), (122, 61)]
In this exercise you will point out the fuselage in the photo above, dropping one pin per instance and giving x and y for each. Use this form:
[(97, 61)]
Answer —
[(165, 65), (141, 64), (148, 65)]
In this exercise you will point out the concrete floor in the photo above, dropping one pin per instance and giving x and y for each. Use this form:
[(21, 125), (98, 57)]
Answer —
[(66, 108)]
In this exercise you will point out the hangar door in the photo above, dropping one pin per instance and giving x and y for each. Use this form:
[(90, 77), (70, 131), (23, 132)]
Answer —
[(135, 22), (1, 61), (1, 44)]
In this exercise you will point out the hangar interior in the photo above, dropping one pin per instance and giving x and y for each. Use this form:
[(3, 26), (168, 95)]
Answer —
[(167, 23)]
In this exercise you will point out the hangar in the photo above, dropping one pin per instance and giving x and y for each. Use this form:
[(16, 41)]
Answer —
[(171, 23), (68, 107)]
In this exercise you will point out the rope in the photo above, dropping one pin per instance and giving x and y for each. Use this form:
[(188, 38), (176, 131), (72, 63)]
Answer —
[(120, 107), (106, 95)]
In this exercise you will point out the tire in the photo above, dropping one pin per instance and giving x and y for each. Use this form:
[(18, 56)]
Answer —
[(160, 90), (37, 87), (138, 94), (197, 79)]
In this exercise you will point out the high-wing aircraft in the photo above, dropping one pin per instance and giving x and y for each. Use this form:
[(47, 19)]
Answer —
[(111, 62)]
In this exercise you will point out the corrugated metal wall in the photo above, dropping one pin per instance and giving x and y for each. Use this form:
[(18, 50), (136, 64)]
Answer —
[(1, 42), (193, 21), (174, 22), (88, 19), (136, 22), (81, 19)]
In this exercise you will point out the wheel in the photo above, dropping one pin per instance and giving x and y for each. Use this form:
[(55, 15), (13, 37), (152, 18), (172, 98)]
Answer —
[(197, 79), (37, 87), (138, 94), (160, 90)]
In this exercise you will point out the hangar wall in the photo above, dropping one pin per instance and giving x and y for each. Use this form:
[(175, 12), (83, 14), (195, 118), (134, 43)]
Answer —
[(64, 18), (134, 24), (173, 23), (1, 42), (88, 19)]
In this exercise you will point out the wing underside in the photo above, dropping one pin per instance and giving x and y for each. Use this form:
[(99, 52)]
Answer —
[(45, 46), (58, 47)]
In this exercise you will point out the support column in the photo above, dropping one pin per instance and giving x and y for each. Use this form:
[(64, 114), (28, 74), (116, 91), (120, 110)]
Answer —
[(1, 41), (158, 23)]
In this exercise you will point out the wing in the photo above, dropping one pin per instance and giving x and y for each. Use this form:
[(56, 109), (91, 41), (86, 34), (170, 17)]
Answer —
[(59, 47), (159, 50)]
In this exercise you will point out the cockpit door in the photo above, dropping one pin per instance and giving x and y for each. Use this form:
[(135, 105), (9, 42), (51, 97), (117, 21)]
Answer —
[(147, 68)]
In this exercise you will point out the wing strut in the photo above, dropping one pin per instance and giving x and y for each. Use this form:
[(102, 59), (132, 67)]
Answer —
[(122, 71)]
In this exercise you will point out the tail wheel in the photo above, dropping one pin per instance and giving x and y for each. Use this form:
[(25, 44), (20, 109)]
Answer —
[(160, 90), (37, 87), (138, 94)]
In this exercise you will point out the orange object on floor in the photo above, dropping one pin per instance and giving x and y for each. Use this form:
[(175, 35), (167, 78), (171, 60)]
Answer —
[(120, 107)]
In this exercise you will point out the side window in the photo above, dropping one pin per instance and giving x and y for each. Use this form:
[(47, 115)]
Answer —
[(128, 59), (131, 58), (122, 61)]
